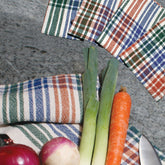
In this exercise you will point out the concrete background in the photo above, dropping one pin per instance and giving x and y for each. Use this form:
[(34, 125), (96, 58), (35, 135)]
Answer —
[(26, 54)]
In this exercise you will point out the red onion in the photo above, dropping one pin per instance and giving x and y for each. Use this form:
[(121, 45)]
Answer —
[(60, 151), (17, 154)]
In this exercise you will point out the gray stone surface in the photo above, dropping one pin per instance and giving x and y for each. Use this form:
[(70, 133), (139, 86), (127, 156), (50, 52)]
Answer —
[(26, 54)]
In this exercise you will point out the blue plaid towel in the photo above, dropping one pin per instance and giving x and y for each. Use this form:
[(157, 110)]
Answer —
[(131, 21), (49, 99)]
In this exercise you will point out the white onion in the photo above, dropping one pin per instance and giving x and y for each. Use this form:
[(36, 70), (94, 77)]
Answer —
[(60, 151)]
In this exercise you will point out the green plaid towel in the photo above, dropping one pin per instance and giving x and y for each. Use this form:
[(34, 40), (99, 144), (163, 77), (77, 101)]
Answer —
[(146, 59), (92, 17), (49, 99), (131, 21), (35, 135), (59, 16), (56, 99), (56, 102)]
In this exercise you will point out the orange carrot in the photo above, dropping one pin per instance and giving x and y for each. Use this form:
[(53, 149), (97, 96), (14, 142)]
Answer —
[(118, 127)]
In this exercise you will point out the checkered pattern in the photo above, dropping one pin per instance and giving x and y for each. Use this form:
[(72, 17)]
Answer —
[(35, 135), (47, 96), (146, 58), (131, 149), (92, 17), (130, 22), (59, 16)]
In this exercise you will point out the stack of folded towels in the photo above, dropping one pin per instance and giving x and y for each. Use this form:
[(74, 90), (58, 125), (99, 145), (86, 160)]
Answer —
[(130, 30)]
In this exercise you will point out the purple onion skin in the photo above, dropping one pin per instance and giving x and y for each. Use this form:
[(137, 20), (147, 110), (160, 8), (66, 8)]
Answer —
[(18, 154)]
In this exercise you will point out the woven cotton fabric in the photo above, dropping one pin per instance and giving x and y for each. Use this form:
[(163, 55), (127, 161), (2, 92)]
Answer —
[(50, 99), (92, 17), (36, 135), (146, 59), (59, 16), (131, 21)]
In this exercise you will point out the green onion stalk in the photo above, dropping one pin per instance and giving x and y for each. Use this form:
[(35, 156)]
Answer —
[(106, 99), (90, 104)]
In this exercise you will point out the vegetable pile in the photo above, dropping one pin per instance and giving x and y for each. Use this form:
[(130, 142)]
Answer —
[(105, 125), (103, 134)]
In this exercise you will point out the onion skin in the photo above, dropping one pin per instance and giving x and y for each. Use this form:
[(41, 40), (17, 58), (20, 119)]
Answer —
[(60, 151), (18, 154)]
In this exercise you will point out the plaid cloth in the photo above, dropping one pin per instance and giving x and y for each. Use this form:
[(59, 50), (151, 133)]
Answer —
[(39, 100), (146, 58), (92, 17), (132, 20), (50, 99), (59, 16), (35, 135)]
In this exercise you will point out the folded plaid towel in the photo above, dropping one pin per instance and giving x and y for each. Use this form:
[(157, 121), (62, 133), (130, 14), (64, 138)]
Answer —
[(129, 23), (50, 99), (59, 16), (92, 17), (35, 135), (146, 59)]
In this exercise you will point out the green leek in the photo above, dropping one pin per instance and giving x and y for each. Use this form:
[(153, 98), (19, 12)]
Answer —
[(89, 76), (90, 106), (106, 99)]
